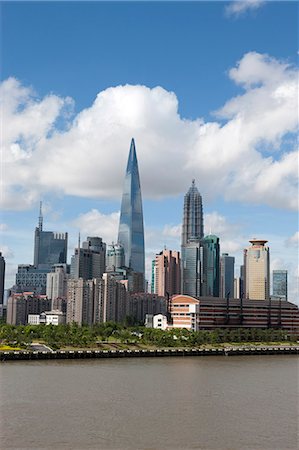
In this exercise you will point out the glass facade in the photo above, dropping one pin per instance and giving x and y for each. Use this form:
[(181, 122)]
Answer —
[(280, 284), (50, 248), (227, 273), (193, 215), (192, 268), (192, 233), (211, 266), (131, 232)]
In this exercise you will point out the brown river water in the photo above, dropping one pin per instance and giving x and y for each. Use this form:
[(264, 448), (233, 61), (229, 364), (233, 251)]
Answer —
[(217, 402)]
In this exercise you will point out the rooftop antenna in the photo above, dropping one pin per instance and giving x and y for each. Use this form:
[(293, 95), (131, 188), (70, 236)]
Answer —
[(40, 218), (193, 182)]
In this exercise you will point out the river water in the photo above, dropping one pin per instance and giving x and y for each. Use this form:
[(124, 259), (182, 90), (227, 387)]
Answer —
[(213, 402)]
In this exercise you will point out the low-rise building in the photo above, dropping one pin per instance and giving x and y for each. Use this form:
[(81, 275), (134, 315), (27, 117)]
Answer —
[(208, 313), (160, 322), (19, 306)]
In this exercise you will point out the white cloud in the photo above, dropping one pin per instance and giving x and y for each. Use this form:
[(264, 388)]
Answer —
[(240, 7), (95, 223), (293, 241), (6, 252), (89, 157)]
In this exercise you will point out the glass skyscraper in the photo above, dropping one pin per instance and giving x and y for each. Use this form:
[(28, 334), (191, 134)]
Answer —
[(49, 247), (211, 266), (192, 233), (193, 215), (131, 233), (280, 284), (227, 273)]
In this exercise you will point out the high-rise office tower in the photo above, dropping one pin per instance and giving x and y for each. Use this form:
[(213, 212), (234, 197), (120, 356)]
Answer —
[(30, 278), (131, 233), (192, 233), (280, 284), (2, 275), (168, 273), (227, 273), (257, 270), (193, 216), (211, 266), (242, 281), (89, 261), (192, 259), (115, 258), (153, 277), (49, 247)]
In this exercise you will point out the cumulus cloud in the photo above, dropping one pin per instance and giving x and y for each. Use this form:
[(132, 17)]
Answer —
[(240, 155), (238, 8), (95, 223), (229, 233)]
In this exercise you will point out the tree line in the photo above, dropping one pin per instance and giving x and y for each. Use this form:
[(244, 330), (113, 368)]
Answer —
[(72, 335)]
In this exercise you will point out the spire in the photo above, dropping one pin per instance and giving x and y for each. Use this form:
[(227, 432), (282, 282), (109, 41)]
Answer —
[(40, 218), (132, 159)]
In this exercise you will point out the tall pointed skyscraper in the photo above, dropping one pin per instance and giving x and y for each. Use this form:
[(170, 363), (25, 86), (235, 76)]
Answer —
[(131, 233), (193, 216), (191, 250)]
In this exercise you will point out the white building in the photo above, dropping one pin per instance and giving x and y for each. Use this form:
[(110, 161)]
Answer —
[(160, 322), (55, 317), (47, 318), (33, 319)]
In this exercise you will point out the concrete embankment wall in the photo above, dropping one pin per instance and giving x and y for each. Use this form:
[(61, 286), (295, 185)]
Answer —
[(84, 354)]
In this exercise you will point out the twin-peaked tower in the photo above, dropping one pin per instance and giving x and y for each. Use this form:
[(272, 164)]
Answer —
[(131, 231)]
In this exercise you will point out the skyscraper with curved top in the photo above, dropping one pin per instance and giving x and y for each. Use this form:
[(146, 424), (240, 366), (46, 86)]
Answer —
[(131, 232)]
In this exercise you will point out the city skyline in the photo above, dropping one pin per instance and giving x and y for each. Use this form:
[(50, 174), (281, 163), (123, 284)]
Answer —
[(66, 137)]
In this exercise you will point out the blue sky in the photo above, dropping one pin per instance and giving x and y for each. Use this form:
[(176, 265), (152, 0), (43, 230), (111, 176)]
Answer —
[(223, 113)]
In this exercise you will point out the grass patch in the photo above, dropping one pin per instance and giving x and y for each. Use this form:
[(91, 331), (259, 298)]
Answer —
[(7, 348)]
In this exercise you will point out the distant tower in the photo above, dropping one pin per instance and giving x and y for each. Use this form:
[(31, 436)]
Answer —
[(115, 258), (211, 266), (2, 274), (193, 215), (167, 273), (89, 261), (131, 233), (49, 247), (227, 272), (192, 260), (191, 251), (257, 270), (280, 284)]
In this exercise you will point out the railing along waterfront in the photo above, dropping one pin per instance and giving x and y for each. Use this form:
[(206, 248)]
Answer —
[(127, 353)]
